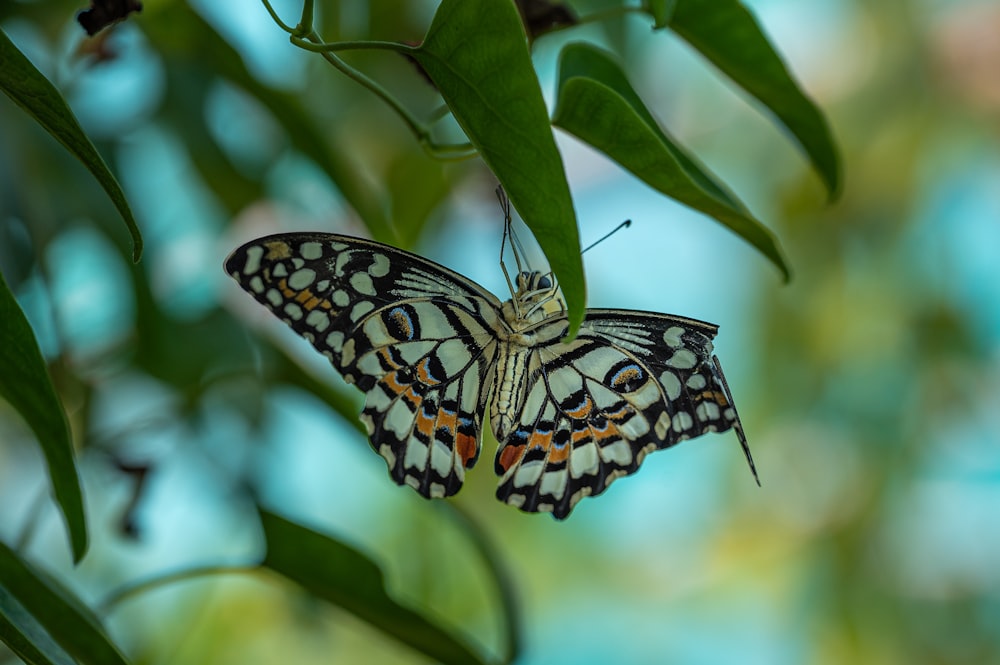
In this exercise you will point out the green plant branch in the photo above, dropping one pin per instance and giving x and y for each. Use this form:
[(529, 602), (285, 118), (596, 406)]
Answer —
[(277, 19), (308, 43), (305, 37), (130, 589), (509, 604)]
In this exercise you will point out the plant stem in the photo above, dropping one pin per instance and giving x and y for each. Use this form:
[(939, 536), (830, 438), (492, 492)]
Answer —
[(133, 588)]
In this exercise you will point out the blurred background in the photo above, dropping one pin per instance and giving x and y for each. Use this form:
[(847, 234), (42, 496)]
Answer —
[(868, 387)]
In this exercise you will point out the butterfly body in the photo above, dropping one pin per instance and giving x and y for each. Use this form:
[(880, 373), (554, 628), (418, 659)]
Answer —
[(436, 354)]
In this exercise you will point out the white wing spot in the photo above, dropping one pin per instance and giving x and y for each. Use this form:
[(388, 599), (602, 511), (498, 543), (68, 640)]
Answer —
[(583, 460), (340, 298), (311, 251), (335, 340), (380, 266), (635, 427), (254, 255), (683, 421), (619, 453), (683, 359), (362, 283), (416, 452), (256, 284), (293, 310), (528, 474), (301, 279), (347, 352), (516, 500), (385, 450), (398, 420), (441, 459), (671, 384), (662, 425), (696, 382), (673, 337), (361, 309), (318, 320), (274, 297), (554, 483), (707, 411)]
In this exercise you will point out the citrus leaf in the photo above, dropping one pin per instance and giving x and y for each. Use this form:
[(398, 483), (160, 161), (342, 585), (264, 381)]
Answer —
[(598, 105), (25, 384), (726, 33), (476, 53), (32, 92), (339, 574), (42, 622)]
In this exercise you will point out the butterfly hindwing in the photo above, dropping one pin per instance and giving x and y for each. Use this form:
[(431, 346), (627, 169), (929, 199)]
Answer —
[(415, 337), (630, 383)]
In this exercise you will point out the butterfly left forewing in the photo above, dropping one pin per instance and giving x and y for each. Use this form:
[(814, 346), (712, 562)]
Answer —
[(631, 383), (417, 338)]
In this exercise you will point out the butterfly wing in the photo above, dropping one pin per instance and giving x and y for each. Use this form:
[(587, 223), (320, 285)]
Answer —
[(630, 383), (416, 337)]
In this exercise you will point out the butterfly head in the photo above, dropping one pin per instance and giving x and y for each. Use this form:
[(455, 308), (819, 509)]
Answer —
[(532, 282), (536, 297)]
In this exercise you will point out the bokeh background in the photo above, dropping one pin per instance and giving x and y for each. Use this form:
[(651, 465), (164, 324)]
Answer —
[(869, 386)]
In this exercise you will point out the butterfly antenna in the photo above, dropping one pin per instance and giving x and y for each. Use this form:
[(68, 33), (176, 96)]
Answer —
[(624, 225), (738, 426), (507, 231)]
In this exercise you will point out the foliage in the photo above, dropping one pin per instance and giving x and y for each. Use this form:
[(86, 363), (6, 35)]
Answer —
[(477, 57)]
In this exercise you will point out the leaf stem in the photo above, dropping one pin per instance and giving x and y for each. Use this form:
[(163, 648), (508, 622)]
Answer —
[(130, 589), (277, 19), (510, 607)]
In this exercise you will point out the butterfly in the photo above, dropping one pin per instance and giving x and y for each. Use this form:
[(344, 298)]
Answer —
[(437, 354)]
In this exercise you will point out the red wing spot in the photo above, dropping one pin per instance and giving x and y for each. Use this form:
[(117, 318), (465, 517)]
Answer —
[(620, 414), (424, 374), (447, 420), (509, 456), (715, 396), (425, 425), (582, 411), (466, 447), (609, 431), (541, 440), (285, 291), (412, 398), (387, 360), (558, 453), (395, 387)]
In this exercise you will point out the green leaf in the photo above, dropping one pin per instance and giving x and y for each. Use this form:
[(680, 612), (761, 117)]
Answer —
[(189, 41), (726, 33), (43, 622), (32, 91), (598, 105), (343, 576), (661, 11), (477, 55), (25, 384)]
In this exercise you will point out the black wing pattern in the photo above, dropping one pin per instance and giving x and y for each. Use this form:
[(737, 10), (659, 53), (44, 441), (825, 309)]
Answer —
[(630, 383), (417, 338)]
